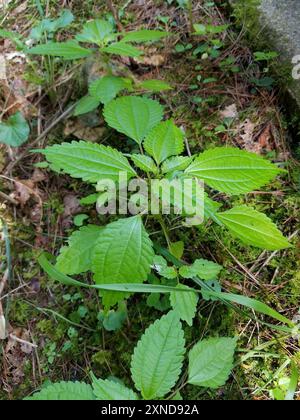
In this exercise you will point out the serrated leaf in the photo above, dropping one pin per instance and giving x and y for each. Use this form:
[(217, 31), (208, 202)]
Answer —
[(88, 161), (15, 131), (253, 228), (86, 104), (211, 208), (133, 116), (176, 163), (76, 258), (106, 390), (211, 361), (164, 141), (145, 163), (158, 357), (155, 85), (69, 50), (123, 49), (123, 254), (65, 391), (232, 170), (161, 266), (96, 32), (144, 35), (107, 88), (206, 270), (184, 304)]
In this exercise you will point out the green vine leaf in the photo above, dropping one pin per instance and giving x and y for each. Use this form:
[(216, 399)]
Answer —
[(88, 161), (164, 141), (15, 131), (158, 357), (184, 304), (123, 254), (76, 257), (211, 361), (133, 116), (232, 171), (253, 228), (64, 391)]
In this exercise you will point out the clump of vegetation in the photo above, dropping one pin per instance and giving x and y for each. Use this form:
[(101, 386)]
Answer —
[(190, 261)]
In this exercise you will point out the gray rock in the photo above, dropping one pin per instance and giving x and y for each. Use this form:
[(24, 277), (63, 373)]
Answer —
[(279, 23)]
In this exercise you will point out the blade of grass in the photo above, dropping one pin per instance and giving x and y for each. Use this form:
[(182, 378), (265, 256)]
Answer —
[(290, 395)]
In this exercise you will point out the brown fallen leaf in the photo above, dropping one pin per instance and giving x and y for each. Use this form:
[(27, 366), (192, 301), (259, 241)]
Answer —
[(4, 3), (230, 112), (2, 67), (151, 57), (264, 141), (246, 132), (71, 205), (78, 130), (3, 332), (20, 9)]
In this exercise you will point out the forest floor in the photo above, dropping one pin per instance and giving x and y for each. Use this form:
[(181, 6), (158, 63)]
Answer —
[(221, 96)]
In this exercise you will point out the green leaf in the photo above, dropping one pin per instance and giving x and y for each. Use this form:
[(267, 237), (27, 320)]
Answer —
[(206, 270), (158, 357), (144, 35), (14, 37), (88, 161), (69, 50), (161, 266), (76, 257), (232, 170), (112, 391), (107, 88), (86, 104), (133, 116), (15, 131), (145, 163), (56, 275), (177, 249), (176, 163), (155, 85), (184, 304), (211, 361), (96, 32), (164, 141), (123, 254), (253, 228), (123, 49), (51, 26), (65, 391)]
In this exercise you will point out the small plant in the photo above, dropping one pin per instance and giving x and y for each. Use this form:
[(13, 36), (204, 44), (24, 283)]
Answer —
[(121, 254), (156, 367), (14, 131)]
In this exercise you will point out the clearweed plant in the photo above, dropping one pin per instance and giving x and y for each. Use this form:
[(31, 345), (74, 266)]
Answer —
[(98, 33), (210, 362), (121, 254), (134, 193)]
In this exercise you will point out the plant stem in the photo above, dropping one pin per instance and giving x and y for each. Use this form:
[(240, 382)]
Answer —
[(191, 17), (164, 228)]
